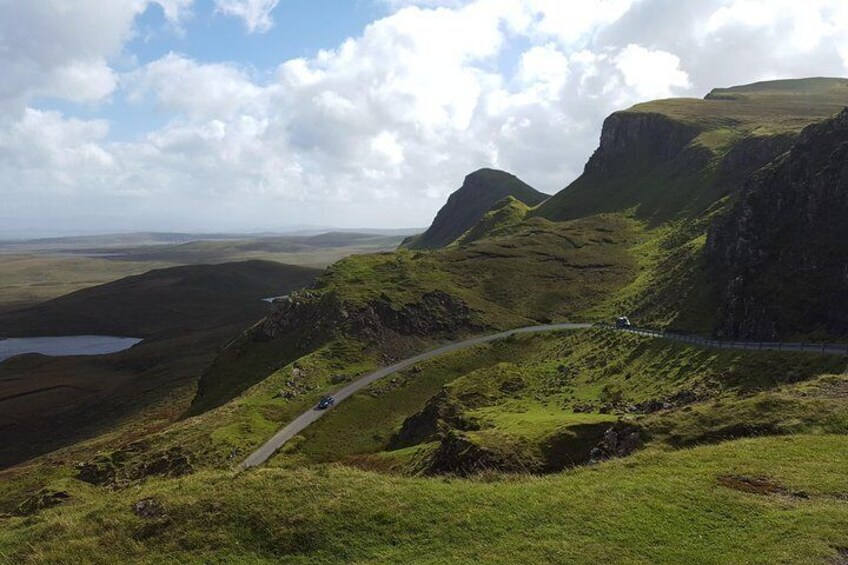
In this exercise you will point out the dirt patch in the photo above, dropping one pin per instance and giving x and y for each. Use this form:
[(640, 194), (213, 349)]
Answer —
[(841, 556), (763, 486)]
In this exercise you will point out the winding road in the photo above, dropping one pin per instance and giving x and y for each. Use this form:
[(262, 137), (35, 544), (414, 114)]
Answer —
[(303, 421)]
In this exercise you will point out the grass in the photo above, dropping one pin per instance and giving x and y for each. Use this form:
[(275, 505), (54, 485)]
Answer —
[(569, 266), (504, 218), (765, 108), (30, 279), (656, 507), (49, 270), (529, 386)]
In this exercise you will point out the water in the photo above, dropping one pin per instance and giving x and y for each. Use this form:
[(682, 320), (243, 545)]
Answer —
[(72, 345), (270, 300)]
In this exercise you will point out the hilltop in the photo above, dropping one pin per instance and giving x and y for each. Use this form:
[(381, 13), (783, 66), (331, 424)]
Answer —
[(479, 192), (673, 159)]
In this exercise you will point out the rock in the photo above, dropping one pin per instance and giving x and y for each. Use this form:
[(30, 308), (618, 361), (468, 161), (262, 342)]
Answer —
[(441, 413), (99, 471), (45, 498), (339, 379), (458, 454), (171, 463), (513, 385), (625, 133), (683, 398), (148, 508), (585, 408), (619, 441), (787, 233)]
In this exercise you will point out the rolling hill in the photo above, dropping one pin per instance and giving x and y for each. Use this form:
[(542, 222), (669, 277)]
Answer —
[(185, 315)]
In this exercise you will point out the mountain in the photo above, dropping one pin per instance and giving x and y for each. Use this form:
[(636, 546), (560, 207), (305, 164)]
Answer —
[(479, 192), (673, 159)]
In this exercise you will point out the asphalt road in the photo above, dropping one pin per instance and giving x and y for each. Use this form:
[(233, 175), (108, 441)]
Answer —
[(303, 421)]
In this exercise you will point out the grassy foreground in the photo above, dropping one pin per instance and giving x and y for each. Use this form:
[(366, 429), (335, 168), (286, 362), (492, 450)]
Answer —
[(694, 506)]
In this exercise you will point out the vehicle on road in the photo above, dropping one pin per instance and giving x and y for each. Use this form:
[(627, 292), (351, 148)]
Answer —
[(623, 322), (325, 403)]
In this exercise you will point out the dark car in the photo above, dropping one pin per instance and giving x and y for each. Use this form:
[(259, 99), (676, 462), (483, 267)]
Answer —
[(622, 322), (325, 403)]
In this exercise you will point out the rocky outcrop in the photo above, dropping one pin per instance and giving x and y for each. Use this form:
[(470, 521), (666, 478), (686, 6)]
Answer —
[(304, 321), (780, 256), (459, 454), (619, 441), (441, 414), (480, 192), (639, 133), (132, 463), (43, 499), (645, 161), (310, 312)]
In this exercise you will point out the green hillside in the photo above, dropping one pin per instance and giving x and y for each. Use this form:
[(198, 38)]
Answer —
[(465, 207), (672, 159)]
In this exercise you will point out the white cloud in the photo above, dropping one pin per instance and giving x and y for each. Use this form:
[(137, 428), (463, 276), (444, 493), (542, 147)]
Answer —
[(180, 85), (256, 14), (379, 129), (61, 48), (652, 74)]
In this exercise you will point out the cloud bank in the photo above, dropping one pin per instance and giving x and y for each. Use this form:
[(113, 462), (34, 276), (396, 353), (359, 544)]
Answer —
[(376, 131)]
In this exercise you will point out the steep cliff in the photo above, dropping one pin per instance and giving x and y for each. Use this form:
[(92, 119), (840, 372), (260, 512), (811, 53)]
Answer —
[(780, 257), (673, 159), (465, 207)]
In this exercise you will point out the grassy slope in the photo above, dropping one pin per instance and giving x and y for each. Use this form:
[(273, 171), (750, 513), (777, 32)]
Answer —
[(504, 218), (569, 267), (674, 510), (527, 387), (652, 508), (677, 199), (164, 300), (30, 279)]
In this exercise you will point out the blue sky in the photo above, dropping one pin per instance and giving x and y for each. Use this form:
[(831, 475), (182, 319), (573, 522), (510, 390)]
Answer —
[(218, 115)]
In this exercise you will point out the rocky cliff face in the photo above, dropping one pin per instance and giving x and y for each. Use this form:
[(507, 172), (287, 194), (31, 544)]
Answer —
[(480, 192), (435, 313), (644, 134), (645, 161), (780, 257)]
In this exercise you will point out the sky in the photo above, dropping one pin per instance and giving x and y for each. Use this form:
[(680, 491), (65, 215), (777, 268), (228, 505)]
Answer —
[(250, 115)]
